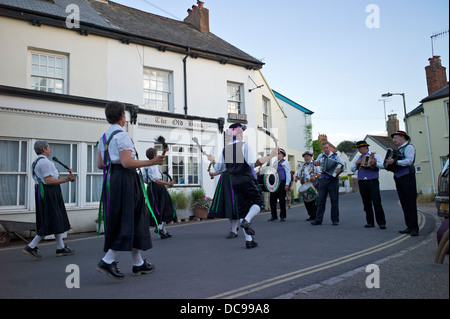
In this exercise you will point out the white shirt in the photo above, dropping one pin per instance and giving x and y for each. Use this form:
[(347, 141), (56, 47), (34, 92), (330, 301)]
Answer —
[(151, 173), (120, 142), (409, 153), (44, 168)]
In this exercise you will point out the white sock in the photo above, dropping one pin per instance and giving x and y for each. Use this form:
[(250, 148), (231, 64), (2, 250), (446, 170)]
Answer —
[(234, 225), (136, 256), (247, 236), (36, 240), (59, 241), (162, 227), (110, 256), (253, 211)]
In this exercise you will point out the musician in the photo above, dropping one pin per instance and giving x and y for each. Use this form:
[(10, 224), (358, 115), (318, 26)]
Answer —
[(239, 160), (51, 214), (127, 217), (309, 173), (405, 181), (284, 171), (369, 185), (328, 185), (158, 196)]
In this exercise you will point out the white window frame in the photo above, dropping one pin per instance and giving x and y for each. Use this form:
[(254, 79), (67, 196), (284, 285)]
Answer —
[(154, 90), (266, 113), (48, 73), (20, 173), (189, 152), (235, 98)]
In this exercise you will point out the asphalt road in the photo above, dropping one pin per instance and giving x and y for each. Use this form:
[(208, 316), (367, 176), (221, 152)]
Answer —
[(199, 263)]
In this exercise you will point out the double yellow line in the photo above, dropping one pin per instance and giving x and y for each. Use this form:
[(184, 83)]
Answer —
[(313, 269)]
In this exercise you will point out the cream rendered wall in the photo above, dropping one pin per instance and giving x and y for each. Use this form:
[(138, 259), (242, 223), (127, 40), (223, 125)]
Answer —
[(86, 54), (436, 112)]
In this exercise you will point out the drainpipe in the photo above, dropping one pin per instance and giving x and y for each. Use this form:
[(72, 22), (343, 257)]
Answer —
[(185, 81), (429, 152)]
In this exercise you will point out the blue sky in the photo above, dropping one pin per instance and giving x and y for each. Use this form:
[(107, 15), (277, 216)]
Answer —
[(322, 55)]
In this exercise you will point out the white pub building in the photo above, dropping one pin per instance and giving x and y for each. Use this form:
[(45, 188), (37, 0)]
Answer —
[(177, 79)]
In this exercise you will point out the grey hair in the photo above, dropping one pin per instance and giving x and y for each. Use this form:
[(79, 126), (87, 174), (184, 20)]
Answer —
[(39, 146)]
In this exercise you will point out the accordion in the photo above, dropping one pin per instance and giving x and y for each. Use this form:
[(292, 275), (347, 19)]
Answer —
[(395, 155), (330, 166)]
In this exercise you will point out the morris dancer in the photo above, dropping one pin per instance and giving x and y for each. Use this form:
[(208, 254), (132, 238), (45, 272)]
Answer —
[(309, 173), (369, 185), (405, 181), (284, 171), (51, 214), (328, 184), (126, 216), (238, 159), (158, 196)]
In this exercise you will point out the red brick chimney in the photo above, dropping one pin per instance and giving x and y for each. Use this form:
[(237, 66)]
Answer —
[(436, 75), (198, 16), (392, 124)]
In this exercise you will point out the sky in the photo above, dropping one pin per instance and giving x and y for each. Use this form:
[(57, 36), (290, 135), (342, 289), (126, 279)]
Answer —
[(336, 58)]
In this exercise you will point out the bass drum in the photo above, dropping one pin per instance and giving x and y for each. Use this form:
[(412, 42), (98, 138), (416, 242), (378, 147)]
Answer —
[(269, 179)]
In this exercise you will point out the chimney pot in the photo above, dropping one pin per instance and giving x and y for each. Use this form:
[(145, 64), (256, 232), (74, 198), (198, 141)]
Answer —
[(199, 17)]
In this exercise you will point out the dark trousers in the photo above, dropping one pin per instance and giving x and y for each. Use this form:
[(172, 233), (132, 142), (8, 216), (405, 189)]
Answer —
[(328, 186), (407, 193), (280, 195), (311, 208), (369, 190)]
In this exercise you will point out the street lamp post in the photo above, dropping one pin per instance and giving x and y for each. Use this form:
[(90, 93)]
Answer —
[(404, 106)]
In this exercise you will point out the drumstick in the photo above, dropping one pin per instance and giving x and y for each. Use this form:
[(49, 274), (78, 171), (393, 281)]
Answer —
[(63, 165)]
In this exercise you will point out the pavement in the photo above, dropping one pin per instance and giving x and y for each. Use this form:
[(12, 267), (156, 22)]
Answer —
[(408, 274)]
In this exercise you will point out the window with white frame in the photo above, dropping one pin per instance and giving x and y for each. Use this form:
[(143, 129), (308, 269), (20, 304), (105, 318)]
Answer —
[(68, 155), (13, 173), (157, 89), (266, 113), (234, 98), (94, 176), (48, 72), (184, 164)]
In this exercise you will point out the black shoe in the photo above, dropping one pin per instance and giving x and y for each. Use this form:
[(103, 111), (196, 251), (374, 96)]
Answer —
[(164, 235), (369, 225), (231, 235), (251, 244), (414, 233), (66, 251), (112, 270), (314, 223), (310, 219), (335, 223), (271, 219), (33, 252), (282, 219), (405, 231), (382, 226), (246, 225), (145, 268), (168, 235)]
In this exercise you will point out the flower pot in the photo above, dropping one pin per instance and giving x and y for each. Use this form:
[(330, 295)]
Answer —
[(200, 212), (183, 213)]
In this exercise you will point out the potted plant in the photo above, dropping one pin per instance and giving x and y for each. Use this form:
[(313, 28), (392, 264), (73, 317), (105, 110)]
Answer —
[(200, 203), (181, 202)]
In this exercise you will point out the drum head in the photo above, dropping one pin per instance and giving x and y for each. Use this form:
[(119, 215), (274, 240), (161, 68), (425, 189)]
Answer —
[(305, 187), (271, 178)]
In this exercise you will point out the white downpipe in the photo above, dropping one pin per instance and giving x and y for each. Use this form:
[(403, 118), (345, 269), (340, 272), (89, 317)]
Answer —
[(429, 153)]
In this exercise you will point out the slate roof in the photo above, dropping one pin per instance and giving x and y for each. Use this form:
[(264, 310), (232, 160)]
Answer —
[(135, 24), (439, 94)]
